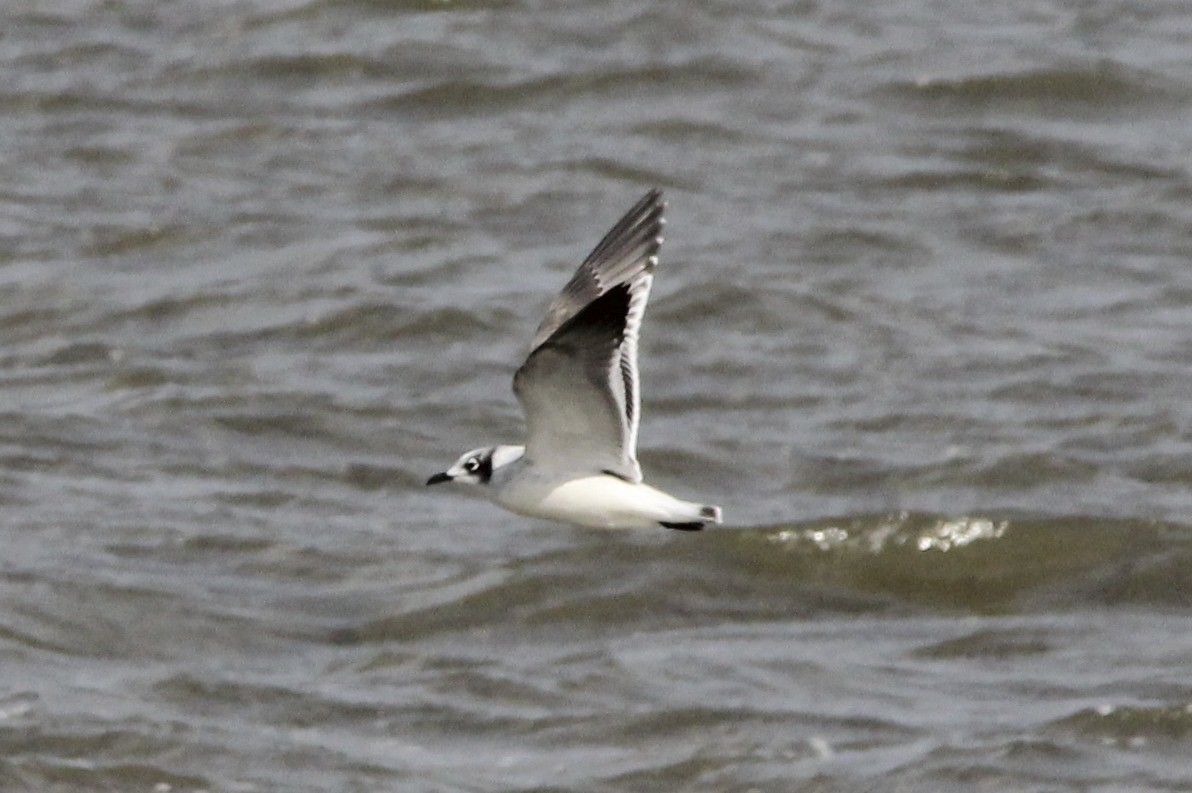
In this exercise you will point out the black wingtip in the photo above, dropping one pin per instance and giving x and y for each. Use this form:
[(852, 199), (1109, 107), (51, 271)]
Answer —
[(639, 228), (694, 525)]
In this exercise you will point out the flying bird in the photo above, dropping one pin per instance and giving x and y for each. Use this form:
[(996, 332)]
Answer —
[(579, 388)]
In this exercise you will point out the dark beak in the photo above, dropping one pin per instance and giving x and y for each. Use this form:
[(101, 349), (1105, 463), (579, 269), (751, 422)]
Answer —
[(438, 479)]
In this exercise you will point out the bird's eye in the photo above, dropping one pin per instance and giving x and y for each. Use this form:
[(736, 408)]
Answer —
[(471, 465)]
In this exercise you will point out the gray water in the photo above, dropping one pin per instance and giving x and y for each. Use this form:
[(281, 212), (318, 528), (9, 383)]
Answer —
[(921, 327)]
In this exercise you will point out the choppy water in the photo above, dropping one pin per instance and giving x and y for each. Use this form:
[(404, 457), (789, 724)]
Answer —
[(922, 328)]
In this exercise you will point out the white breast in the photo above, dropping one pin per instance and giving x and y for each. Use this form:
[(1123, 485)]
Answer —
[(600, 501)]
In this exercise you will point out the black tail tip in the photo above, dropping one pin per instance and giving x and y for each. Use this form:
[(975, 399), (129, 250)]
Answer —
[(710, 513)]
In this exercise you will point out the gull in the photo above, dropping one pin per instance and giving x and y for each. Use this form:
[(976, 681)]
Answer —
[(579, 390)]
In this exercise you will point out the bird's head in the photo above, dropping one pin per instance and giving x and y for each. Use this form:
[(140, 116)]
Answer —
[(476, 466)]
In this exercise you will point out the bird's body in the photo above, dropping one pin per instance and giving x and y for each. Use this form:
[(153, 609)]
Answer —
[(594, 500), (579, 390)]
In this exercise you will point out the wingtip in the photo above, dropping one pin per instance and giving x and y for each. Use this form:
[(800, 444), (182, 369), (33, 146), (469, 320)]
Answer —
[(628, 251)]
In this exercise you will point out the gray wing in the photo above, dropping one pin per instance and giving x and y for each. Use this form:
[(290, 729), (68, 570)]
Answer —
[(629, 249), (579, 386)]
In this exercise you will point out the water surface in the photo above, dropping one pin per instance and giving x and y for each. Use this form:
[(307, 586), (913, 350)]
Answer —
[(920, 327)]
